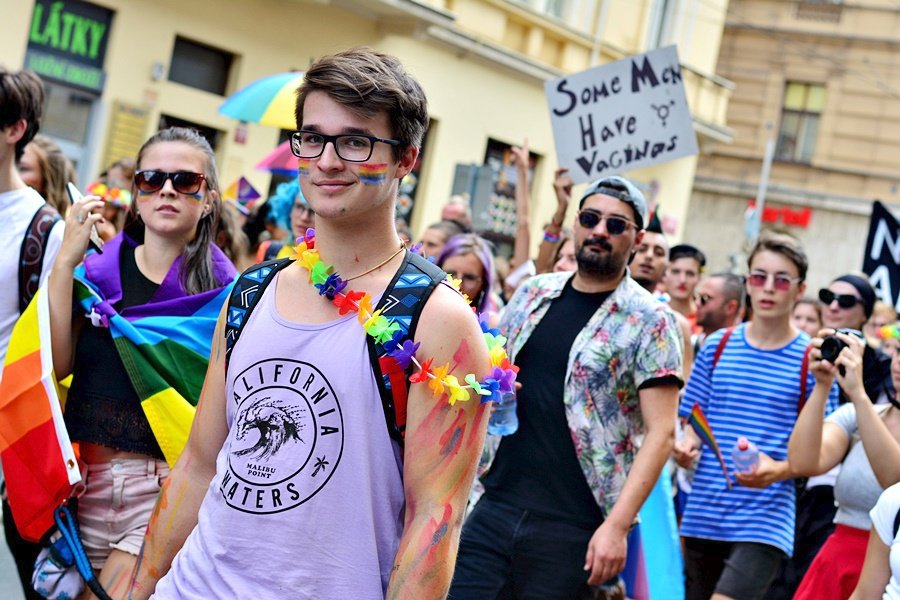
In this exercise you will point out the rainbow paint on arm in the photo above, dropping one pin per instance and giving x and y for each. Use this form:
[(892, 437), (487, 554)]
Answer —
[(501, 380)]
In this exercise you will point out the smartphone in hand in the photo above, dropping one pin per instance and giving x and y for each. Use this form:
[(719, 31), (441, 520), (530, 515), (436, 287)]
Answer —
[(96, 241)]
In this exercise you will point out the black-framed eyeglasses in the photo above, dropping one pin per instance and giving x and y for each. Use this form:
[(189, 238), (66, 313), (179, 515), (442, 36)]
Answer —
[(826, 296), (183, 182), (467, 278), (352, 147), (614, 225), (781, 281)]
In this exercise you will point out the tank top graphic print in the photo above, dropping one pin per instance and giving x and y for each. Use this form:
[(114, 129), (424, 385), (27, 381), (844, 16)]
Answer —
[(286, 436), (307, 500)]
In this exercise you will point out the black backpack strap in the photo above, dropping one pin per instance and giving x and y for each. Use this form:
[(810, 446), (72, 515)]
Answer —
[(245, 295), (402, 303), (31, 254)]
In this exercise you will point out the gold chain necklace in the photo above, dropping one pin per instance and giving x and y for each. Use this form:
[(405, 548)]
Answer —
[(381, 264)]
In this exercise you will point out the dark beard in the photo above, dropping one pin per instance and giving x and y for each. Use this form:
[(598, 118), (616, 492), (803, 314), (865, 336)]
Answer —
[(599, 265)]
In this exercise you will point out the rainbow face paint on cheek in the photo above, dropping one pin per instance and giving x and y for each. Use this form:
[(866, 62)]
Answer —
[(303, 167), (372, 174)]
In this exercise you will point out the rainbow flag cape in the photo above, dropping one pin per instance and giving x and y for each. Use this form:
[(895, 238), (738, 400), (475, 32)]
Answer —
[(164, 345), (653, 567), (701, 426)]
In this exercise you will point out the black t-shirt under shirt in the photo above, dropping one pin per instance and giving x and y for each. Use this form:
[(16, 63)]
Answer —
[(536, 468), (103, 407)]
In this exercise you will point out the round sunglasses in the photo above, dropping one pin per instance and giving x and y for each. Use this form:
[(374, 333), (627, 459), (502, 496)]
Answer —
[(183, 182), (614, 225), (826, 296)]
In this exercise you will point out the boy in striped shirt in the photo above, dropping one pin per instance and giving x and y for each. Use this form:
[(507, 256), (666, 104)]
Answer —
[(736, 536)]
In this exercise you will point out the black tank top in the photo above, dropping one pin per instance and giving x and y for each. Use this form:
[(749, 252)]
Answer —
[(103, 407)]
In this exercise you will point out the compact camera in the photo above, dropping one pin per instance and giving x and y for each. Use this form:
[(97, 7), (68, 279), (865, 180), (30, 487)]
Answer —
[(832, 345)]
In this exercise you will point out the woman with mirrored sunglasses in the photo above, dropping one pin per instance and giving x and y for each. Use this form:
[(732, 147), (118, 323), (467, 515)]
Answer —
[(847, 303), (139, 326)]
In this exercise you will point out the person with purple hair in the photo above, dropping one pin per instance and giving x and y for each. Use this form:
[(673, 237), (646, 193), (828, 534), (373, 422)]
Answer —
[(468, 257)]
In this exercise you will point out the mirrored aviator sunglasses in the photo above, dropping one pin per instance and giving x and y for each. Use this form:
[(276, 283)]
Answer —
[(183, 182), (614, 225), (826, 296)]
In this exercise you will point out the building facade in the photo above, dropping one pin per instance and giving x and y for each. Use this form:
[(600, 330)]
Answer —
[(819, 82), (117, 70)]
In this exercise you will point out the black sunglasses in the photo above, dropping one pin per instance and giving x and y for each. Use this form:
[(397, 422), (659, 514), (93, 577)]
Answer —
[(843, 300), (614, 225), (183, 182)]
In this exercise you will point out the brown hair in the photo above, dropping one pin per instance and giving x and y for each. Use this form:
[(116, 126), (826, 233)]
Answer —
[(196, 272), (56, 171), (785, 245), (367, 82), (21, 97)]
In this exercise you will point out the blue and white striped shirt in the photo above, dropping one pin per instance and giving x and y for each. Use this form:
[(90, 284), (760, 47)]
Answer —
[(751, 393)]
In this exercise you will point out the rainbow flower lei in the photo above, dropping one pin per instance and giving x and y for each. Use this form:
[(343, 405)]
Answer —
[(501, 380)]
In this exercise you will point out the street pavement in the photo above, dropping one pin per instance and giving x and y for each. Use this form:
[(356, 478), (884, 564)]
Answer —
[(10, 589)]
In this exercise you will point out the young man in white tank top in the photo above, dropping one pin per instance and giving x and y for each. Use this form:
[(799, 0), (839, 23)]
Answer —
[(303, 541)]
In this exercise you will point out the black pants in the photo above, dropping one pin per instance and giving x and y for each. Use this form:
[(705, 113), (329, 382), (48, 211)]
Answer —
[(506, 552), (23, 552), (815, 522)]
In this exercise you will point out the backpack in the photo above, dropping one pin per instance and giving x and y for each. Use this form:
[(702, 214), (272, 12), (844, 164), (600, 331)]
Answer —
[(402, 303), (804, 367), (31, 254)]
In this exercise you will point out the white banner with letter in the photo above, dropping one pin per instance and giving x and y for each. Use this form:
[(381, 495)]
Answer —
[(621, 116)]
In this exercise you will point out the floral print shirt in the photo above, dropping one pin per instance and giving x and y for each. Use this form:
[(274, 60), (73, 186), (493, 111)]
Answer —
[(631, 339)]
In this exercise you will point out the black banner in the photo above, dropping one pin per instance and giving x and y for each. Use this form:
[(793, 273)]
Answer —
[(882, 259)]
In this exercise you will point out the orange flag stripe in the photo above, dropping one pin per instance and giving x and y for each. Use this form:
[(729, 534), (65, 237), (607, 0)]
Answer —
[(31, 408)]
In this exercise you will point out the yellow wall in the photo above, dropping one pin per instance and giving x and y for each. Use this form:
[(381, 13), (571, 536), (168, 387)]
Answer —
[(472, 98)]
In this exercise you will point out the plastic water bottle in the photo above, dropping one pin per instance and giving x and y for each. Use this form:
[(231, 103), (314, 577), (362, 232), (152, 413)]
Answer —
[(504, 420), (745, 455)]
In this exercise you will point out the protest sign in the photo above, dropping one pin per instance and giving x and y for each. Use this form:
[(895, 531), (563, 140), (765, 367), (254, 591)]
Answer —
[(621, 116), (882, 260)]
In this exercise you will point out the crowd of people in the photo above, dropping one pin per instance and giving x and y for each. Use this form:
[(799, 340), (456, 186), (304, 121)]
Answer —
[(340, 450)]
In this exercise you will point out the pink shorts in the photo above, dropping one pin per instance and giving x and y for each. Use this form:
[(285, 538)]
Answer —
[(115, 508)]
